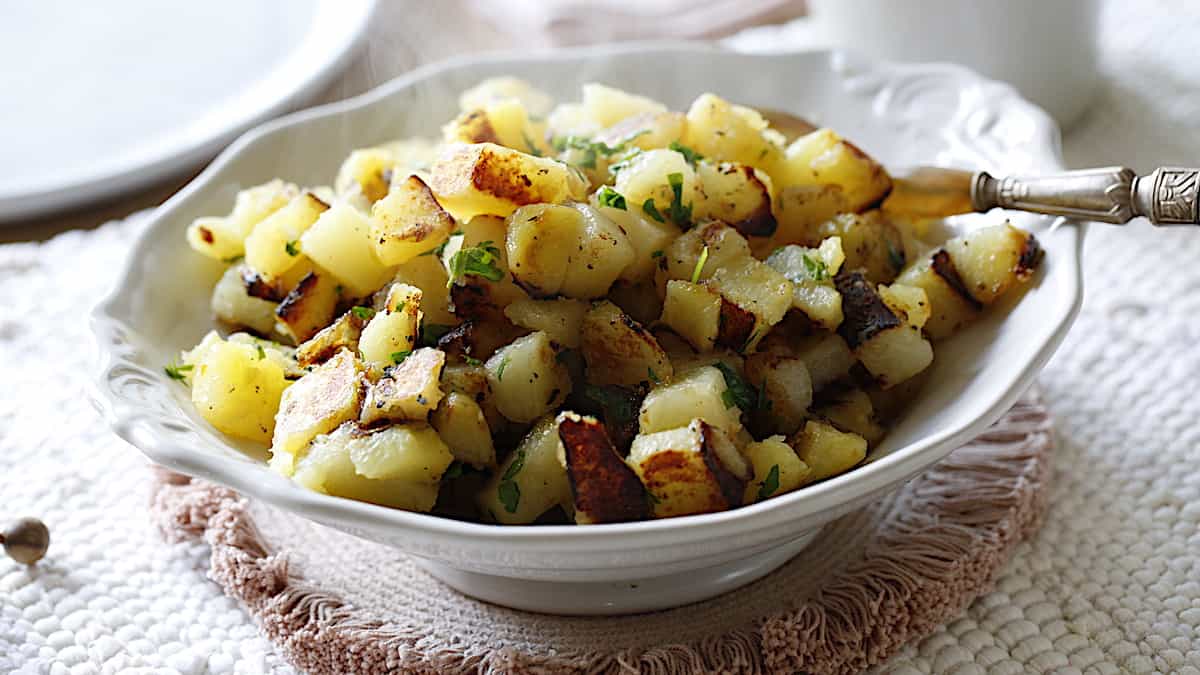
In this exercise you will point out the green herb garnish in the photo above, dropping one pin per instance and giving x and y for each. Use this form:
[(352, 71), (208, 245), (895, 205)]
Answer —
[(749, 341), (620, 407), (656, 254), (516, 466), (472, 361), (652, 210), (611, 198), (510, 495), (437, 250), (737, 391), (681, 215), (653, 376), (689, 154), (699, 268), (262, 354), (233, 258), (482, 260), (769, 484), (455, 470), (814, 268), (500, 369), (533, 149), (292, 248), (398, 357), (364, 313), (431, 333), (177, 372)]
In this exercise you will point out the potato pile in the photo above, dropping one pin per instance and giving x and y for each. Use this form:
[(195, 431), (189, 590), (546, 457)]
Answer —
[(598, 312)]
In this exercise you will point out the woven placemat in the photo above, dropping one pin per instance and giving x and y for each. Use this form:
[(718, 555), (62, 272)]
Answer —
[(871, 582)]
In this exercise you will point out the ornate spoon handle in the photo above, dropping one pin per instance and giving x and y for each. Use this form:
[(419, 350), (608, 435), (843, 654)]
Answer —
[(1115, 194)]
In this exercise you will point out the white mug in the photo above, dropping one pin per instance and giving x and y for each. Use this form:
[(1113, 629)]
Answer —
[(1045, 48)]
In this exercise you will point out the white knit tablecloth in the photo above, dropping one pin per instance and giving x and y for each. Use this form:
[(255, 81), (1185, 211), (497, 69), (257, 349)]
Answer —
[(1111, 583)]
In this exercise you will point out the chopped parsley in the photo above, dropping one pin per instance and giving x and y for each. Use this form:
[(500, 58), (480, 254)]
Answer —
[(482, 260), (653, 376), (233, 259), (364, 313), (509, 492), (339, 289), (437, 250), (619, 406), (292, 247), (689, 154), (769, 484), (611, 198), (533, 149), (472, 361), (515, 468), (699, 268), (455, 470), (656, 254), (593, 149), (398, 357), (262, 353), (814, 267), (652, 210), (178, 372), (681, 215), (737, 391), (431, 333), (500, 369)]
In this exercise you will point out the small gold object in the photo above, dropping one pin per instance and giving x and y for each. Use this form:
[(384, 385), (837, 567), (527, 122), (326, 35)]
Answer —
[(25, 540)]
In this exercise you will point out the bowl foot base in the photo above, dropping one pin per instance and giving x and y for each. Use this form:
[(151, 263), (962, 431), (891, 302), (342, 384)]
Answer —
[(628, 596)]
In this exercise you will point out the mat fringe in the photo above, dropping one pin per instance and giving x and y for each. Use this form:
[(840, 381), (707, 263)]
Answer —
[(924, 567)]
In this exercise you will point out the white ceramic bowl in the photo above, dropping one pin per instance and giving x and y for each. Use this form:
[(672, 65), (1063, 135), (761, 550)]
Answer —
[(903, 115)]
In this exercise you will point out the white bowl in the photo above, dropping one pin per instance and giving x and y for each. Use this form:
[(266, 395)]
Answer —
[(903, 115)]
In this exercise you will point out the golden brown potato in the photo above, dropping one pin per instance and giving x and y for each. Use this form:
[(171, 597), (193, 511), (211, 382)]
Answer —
[(308, 307), (952, 306), (531, 481), (315, 404), (343, 333), (604, 488), (688, 470), (824, 158), (869, 243), (407, 391), (993, 259), (787, 388), (736, 194), (460, 421), (618, 350), (408, 222), (891, 349), (827, 451), (490, 179), (851, 410)]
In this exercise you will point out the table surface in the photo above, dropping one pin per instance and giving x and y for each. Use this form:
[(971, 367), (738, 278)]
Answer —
[(1110, 584)]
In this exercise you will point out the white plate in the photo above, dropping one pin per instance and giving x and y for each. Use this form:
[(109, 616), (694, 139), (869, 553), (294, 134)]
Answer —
[(903, 115), (105, 97)]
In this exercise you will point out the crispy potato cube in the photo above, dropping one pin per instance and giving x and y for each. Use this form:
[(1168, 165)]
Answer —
[(777, 469), (224, 238), (694, 312), (472, 381), (680, 259), (852, 411), (891, 349), (645, 131), (827, 358), (428, 274), (343, 333), (461, 423), (755, 288), (560, 318), (503, 122), (328, 467), (274, 246), (531, 481), (486, 178), (811, 272), (574, 251), (787, 386), (410, 452), (604, 488), (951, 305), (602, 254), (698, 394), (407, 222), (994, 259), (827, 451), (308, 307), (737, 194), (340, 242), (618, 350), (365, 172), (315, 404), (648, 237), (909, 303), (607, 106), (406, 391), (869, 243), (800, 209), (824, 158), (237, 390), (645, 182), (526, 378), (232, 304), (692, 469), (392, 331), (722, 131)]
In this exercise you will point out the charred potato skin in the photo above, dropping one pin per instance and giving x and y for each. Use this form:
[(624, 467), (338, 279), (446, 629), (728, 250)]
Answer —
[(865, 313), (605, 489)]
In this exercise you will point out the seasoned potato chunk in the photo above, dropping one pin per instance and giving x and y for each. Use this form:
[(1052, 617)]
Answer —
[(340, 242), (406, 391), (645, 131), (603, 487), (472, 381), (232, 304), (411, 452), (869, 243), (852, 411), (698, 394), (408, 222), (648, 237), (800, 209), (365, 172), (607, 106), (392, 332), (827, 451), (560, 318), (573, 251), (777, 469), (618, 350), (315, 404), (951, 305), (341, 334), (788, 389), (308, 307), (811, 272), (824, 158), (527, 379), (723, 131), (891, 349), (755, 288), (694, 312), (224, 238), (659, 184), (681, 259), (736, 194), (428, 274), (461, 423), (692, 469), (531, 481), (827, 358), (486, 178), (503, 122), (237, 389), (993, 259), (274, 245)]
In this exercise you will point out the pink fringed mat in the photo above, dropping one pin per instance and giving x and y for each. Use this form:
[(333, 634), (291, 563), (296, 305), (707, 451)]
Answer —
[(871, 582)]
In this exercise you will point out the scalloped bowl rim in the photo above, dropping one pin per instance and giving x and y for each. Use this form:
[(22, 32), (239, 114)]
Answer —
[(828, 495)]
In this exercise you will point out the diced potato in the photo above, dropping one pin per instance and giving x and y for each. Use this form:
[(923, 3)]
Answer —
[(645, 182), (224, 238), (328, 467), (557, 249), (824, 158), (827, 358), (340, 242), (607, 106), (486, 178), (692, 469), (366, 172), (869, 243), (890, 349), (699, 394), (909, 303), (342, 334), (503, 122), (408, 222), (560, 318), (852, 411), (755, 288), (737, 194), (645, 131), (680, 259), (788, 389), (308, 307), (827, 451), (526, 378), (406, 391), (494, 89), (315, 404), (694, 312), (648, 237), (482, 285), (811, 272), (412, 156), (531, 481), (274, 245), (801, 209), (777, 469), (428, 274), (461, 423), (394, 330), (951, 305), (619, 351), (410, 452), (232, 304), (571, 119), (283, 355), (237, 389), (722, 131), (993, 259), (472, 381), (603, 487)]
